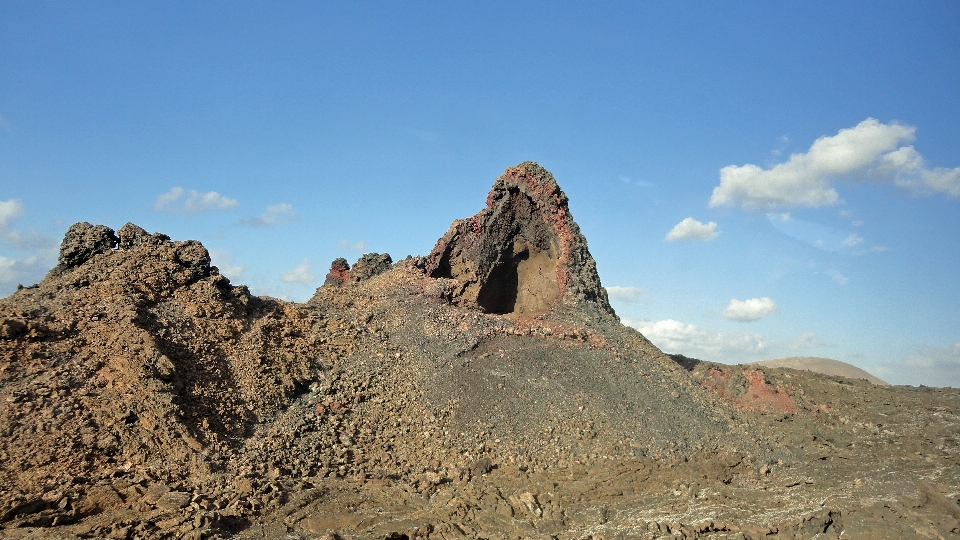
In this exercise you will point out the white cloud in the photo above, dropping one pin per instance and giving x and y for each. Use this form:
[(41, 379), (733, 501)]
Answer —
[(909, 171), (642, 183), (10, 268), (857, 222), (870, 148), (275, 214), (676, 337), (358, 246), (40, 251), (222, 259), (300, 274), (31, 241), (167, 198), (937, 366), (805, 341), (625, 294), (752, 309), (9, 212), (838, 277), (13, 271), (194, 202), (852, 240), (873, 249), (691, 229)]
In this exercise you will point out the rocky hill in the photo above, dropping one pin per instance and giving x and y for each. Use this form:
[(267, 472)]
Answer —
[(827, 366), (486, 390)]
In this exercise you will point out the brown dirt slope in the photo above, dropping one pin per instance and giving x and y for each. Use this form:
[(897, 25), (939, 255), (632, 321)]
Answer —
[(142, 395)]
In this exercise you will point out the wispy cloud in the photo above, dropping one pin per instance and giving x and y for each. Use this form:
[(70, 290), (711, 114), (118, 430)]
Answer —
[(642, 183), (9, 211), (222, 259), (360, 245), (872, 249), (630, 295), (871, 149), (193, 202), (941, 364), (19, 270), (838, 277), (752, 309), (300, 274), (22, 240), (691, 229), (805, 341), (676, 337), (275, 214), (815, 234), (852, 240), (39, 250)]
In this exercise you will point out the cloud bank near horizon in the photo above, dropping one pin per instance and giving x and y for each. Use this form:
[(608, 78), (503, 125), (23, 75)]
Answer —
[(676, 337)]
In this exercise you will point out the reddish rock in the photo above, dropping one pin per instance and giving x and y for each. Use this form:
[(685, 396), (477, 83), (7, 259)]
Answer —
[(523, 254), (748, 390), (339, 273)]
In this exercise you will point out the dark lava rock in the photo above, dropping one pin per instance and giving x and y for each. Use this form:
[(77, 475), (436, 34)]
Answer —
[(371, 264), (143, 396), (131, 236), (192, 255), (82, 242), (521, 255)]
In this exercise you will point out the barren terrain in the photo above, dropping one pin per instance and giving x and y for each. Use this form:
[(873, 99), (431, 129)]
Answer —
[(486, 390)]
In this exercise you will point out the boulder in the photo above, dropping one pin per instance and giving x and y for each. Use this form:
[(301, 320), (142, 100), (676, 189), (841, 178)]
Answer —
[(82, 242)]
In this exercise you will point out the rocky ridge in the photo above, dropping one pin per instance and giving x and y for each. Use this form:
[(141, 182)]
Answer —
[(486, 390)]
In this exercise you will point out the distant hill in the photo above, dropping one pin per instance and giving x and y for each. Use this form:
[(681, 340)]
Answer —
[(826, 366)]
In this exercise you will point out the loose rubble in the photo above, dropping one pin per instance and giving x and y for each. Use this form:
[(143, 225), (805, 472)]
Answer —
[(487, 390)]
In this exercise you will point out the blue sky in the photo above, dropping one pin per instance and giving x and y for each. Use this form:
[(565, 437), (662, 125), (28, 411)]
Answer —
[(755, 180)]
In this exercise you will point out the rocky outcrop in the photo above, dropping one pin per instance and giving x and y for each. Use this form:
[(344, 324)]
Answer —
[(371, 264), (339, 273), (522, 255), (368, 266), (144, 396), (82, 242)]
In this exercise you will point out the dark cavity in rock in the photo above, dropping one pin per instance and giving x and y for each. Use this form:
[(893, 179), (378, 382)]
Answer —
[(523, 254)]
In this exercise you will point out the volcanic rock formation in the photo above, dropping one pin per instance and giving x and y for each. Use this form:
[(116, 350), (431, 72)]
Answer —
[(487, 390), (523, 254)]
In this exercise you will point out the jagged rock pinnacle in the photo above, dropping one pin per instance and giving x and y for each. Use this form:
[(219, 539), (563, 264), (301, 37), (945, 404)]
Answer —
[(523, 254)]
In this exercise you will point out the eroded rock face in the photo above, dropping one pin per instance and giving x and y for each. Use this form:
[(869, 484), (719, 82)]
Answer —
[(339, 273), (523, 254), (368, 266), (82, 242), (371, 264)]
